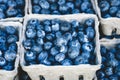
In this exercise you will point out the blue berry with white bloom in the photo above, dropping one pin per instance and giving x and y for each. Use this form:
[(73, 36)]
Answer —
[(10, 55), (30, 33), (30, 56)]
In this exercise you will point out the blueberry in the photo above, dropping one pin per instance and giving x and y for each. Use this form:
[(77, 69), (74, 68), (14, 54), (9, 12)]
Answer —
[(21, 2), (54, 51), (109, 71), (82, 37), (44, 4), (42, 56), (8, 67), (19, 15), (66, 62), (60, 57), (63, 9), (104, 60), (55, 21), (55, 27), (46, 22), (80, 60), (75, 24), (92, 59), (56, 12), (118, 14), (30, 33), (36, 48), (103, 50), (73, 52), (87, 47), (74, 34), (3, 1), (113, 10), (30, 56), (58, 34), (89, 22), (10, 30), (117, 55), (61, 2), (2, 15), (104, 6), (12, 38), (45, 11), (78, 3), (113, 77), (115, 2), (52, 1), (110, 55), (50, 37), (35, 1), (90, 32), (63, 49), (47, 28), (117, 70), (3, 46), (29, 26), (1, 53), (70, 5), (90, 11), (2, 39), (100, 74), (75, 43), (2, 62), (34, 23), (13, 46), (75, 11), (61, 41), (65, 26), (112, 62), (39, 27), (11, 3), (104, 79), (53, 6), (40, 33), (36, 9), (40, 41), (52, 59), (10, 55), (113, 50), (67, 36), (86, 54), (46, 62), (3, 33), (11, 12), (47, 45), (106, 16), (32, 63), (118, 46), (85, 5), (27, 44)]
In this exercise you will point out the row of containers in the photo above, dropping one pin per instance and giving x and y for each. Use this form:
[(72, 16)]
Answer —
[(107, 34)]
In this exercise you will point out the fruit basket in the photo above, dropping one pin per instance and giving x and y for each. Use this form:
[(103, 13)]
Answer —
[(110, 68), (74, 72), (108, 13), (13, 10), (8, 71), (61, 7)]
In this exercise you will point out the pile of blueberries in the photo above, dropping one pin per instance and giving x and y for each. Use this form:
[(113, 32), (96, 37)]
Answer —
[(8, 47), (109, 8), (110, 69), (59, 42), (11, 8), (58, 7)]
